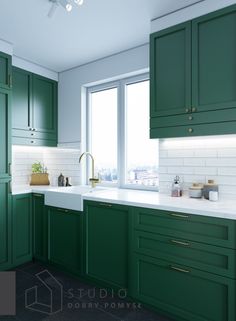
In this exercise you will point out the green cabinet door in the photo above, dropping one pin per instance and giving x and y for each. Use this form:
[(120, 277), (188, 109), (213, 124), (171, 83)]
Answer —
[(21, 100), (5, 133), (65, 239), (5, 71), (214, 60), (40, 231), (106, 232), (170, 71), (183, 293), (5, 225), (44, 104), (22, 229)]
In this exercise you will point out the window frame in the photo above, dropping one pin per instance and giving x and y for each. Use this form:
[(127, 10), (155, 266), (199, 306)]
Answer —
[(121, 129)]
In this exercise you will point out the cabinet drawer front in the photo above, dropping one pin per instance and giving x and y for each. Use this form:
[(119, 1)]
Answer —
[(33, 142), (209, 258), (210, 230), (221, 128), (181, 291), (214, 116), (33, 134)]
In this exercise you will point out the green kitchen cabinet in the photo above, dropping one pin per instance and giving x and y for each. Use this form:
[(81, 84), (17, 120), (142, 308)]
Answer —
[(40, 228), (5, 226), (65, 239), (181, 292), (202, 99), (5, 71), (107, 243), (170, 72), (34, 109), (21, 229)]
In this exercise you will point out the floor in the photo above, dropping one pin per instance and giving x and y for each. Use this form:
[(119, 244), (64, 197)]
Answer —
[(72, 300)]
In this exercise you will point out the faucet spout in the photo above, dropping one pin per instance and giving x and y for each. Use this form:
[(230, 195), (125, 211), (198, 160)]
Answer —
[(93, 180)]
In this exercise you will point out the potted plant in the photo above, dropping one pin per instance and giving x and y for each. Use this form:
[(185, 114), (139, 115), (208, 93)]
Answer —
[(39, 175)]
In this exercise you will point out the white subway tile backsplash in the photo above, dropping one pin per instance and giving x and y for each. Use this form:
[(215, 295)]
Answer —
[(194, 162), (171, 161)]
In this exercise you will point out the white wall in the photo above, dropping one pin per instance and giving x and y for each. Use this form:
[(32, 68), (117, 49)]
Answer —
[(189, 13), (72, 83)]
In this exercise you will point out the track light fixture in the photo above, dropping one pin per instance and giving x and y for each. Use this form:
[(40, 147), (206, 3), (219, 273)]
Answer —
[(66, 4)]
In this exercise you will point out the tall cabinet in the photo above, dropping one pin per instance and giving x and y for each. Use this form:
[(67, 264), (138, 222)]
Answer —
[(5, 159)]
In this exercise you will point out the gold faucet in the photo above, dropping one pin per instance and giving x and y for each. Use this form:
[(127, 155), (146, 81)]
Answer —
[(93, 180)]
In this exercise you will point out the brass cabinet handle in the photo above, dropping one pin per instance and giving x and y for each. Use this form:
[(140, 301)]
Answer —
[(190, 118), (190, 130), (10, 81), (179, 215), (9, 187), (194, 109), (180, 242), (9, 169), (179, 269), (38, 195), (187, 110), (62, 210), (105, 205)]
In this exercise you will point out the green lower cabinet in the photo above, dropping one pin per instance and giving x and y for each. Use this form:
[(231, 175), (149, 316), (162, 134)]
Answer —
[(40, 228), (65, 239), (106, 230), (22, 229), (183, 293), (5, 226)]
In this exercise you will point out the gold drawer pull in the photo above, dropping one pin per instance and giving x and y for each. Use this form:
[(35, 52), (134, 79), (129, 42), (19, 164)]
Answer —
[(105, 205), (179, 215), (179, 269), (190, 118), (194, 109), (180, 242), (38, 195), (62, 210), (187, 110), (190, 130)]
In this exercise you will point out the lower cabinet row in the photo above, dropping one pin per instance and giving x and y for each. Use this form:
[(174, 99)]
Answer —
[(182, 265)]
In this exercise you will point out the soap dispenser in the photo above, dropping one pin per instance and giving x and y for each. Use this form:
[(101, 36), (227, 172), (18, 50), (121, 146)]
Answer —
[(176, 190)]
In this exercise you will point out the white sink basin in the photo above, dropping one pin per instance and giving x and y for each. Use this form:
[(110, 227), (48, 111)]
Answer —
[(69, 197)]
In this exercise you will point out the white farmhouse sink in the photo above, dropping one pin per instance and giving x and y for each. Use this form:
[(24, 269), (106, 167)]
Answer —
[(69, 197)]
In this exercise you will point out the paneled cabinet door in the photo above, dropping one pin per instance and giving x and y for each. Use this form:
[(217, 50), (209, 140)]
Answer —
[(5, 133), (106, 231), (65, 239), (22, 229), (5, 71), (5, 226), (21, 100), (40, 227), (170, 71), (214, 60), (44, 104)]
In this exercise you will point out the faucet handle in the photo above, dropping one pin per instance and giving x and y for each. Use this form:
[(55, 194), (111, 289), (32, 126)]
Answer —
[(94, 181)]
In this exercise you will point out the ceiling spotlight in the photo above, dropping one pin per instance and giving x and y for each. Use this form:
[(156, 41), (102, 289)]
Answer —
[(79, 2), (66, 4)]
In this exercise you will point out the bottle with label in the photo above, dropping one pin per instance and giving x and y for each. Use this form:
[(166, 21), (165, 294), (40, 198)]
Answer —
[(176, 190), (61, 180)]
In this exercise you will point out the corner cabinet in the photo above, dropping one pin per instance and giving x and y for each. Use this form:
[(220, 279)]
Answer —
[(34, 106), (107, 243), (5, 71), (193, 77)]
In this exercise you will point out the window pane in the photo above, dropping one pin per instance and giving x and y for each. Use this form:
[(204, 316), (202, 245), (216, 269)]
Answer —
[(104, 133), (141, 152)]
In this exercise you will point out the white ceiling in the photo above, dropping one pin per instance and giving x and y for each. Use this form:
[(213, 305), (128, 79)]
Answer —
[(97, 29)]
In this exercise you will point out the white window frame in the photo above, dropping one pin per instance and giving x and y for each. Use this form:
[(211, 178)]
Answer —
[(121, 128)]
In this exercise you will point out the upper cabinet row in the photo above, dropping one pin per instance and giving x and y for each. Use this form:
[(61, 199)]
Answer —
[(34, 109), (193, 77)]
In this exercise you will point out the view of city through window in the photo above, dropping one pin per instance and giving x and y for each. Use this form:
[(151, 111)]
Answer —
[(140, 154)]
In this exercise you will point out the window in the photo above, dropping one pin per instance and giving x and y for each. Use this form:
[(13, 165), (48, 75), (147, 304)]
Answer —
[(118, 134)]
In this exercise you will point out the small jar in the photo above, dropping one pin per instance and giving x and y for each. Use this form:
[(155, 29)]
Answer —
[(210, 186), (195, 191)]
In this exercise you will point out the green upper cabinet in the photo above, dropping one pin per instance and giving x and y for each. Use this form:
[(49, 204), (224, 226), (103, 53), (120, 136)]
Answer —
[(34, 109), (21, 99), (214, 60), (171, 71), (44, 104), (5, 133), (193, 77), (106, 232), (5, 71)]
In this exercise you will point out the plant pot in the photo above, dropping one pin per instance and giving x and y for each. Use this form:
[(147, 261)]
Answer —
[(39, 179)]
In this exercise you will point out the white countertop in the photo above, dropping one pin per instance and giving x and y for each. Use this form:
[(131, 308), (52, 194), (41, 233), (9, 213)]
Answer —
[(148, 199)]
